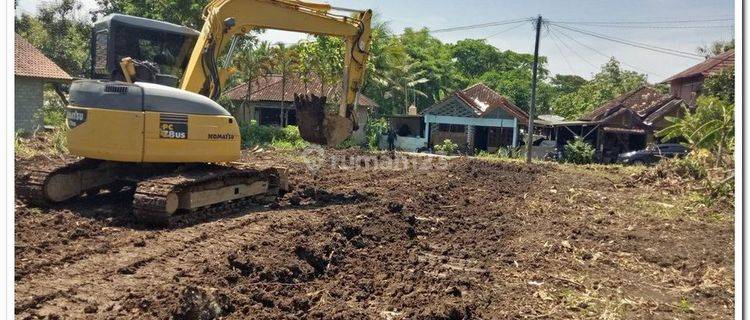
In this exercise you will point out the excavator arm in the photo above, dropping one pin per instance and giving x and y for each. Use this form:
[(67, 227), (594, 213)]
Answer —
[(225, 19)]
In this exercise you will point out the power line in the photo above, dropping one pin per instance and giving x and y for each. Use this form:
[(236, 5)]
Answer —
[(578, 54), (481, 25), (555, 41), (608, 25), (522, 23), (659, 21), (606, 55), (673, 52)]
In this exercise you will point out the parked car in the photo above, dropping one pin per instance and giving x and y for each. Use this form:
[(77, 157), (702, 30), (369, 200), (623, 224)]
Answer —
[(653, 154)]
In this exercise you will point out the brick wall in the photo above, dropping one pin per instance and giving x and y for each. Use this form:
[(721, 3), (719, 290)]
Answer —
[(29, 97)]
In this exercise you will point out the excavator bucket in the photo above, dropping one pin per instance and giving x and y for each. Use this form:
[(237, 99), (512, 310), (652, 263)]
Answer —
[(318, 126)]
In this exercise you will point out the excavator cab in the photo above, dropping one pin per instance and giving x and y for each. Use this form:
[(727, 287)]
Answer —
[(161, 49)]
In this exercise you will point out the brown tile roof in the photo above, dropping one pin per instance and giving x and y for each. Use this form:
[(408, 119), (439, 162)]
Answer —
[(482, 100), (639, 100), (644, 104), (30, 62), (268, 88), (707, 67), (485, 95)]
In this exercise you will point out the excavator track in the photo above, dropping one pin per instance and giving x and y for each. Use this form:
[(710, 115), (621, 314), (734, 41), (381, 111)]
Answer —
[(45, 185), (205, 189), (160, 190)]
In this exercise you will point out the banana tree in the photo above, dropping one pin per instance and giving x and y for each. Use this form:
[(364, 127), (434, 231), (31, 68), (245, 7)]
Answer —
[(710, 127)]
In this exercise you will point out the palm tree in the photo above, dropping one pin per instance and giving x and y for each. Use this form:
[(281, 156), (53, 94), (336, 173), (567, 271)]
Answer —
[(252, 61), (401, 82), (285, 60)]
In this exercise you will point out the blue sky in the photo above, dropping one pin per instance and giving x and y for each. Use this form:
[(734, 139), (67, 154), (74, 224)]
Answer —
[(566, 58)]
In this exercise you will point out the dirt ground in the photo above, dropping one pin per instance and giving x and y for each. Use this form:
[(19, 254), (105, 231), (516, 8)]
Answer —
[(457, 239)]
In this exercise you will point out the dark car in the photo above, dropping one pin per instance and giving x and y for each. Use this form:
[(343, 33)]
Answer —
[(653, 154)]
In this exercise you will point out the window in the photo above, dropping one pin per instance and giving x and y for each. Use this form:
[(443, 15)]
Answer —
[(100, 52), (169, 51)]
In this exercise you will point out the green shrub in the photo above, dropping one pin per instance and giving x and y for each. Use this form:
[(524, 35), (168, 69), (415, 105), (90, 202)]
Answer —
[(254, 134), (448, 147), (578, 151), (511, 152), (52, 112), (373, 130), (23, 150), (502, 153)]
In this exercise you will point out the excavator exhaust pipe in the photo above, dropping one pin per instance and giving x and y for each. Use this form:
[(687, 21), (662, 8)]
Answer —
[(318, 126)]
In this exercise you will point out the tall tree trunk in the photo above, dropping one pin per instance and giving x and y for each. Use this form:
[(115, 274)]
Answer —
[(283, 95), (246, 104)]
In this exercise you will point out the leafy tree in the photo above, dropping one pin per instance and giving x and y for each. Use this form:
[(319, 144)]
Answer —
[(435, 58), (60, 33), (721, 85), (182, 12), (285, 61), (386, 54), (564, 84), (475, 57), (400, 84), (715, 48), (710, 127), (610, 82), (323, 57), (252, 61)]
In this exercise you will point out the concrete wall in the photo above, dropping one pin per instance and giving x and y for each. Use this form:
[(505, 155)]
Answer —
[(403, 143), (29, 96)]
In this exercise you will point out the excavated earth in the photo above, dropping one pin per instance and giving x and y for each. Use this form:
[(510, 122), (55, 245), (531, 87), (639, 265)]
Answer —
[(357, 238)]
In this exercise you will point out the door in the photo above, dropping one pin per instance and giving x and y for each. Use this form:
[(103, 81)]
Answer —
[(480, 138)]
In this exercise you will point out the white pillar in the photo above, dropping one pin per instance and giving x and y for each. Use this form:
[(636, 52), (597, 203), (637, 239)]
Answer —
[(515, 132)]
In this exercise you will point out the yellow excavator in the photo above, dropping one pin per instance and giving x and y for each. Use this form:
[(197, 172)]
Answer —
[(148, 116)]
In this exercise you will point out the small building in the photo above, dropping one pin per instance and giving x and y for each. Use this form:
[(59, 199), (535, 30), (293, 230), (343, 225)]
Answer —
[(409, 129), (688, 84), (628, 122), (476, 118), (268, 106), (32, 71)]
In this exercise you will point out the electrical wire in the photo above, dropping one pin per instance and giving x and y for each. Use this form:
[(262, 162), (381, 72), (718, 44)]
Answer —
[(481, 25), (660, 21), (673, 52), (606, 55), (578, 55), (607, 25), (556, 42), (522, 23)]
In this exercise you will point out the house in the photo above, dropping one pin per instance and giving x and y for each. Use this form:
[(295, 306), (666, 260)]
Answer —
[(628, 122), (688, 84), (268, 106), (476, 118), (32, 71)]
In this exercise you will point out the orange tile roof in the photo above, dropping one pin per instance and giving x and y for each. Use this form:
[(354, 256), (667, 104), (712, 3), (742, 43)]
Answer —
[(30, 62), (268, 88)]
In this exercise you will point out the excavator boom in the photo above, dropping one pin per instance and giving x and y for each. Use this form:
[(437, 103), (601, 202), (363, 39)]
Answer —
[(225, 19)]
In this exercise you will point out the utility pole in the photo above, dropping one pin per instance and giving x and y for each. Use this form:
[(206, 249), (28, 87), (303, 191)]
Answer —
[(532, 106)]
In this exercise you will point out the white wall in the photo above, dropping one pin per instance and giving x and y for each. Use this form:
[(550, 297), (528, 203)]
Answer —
[(404, 143)]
